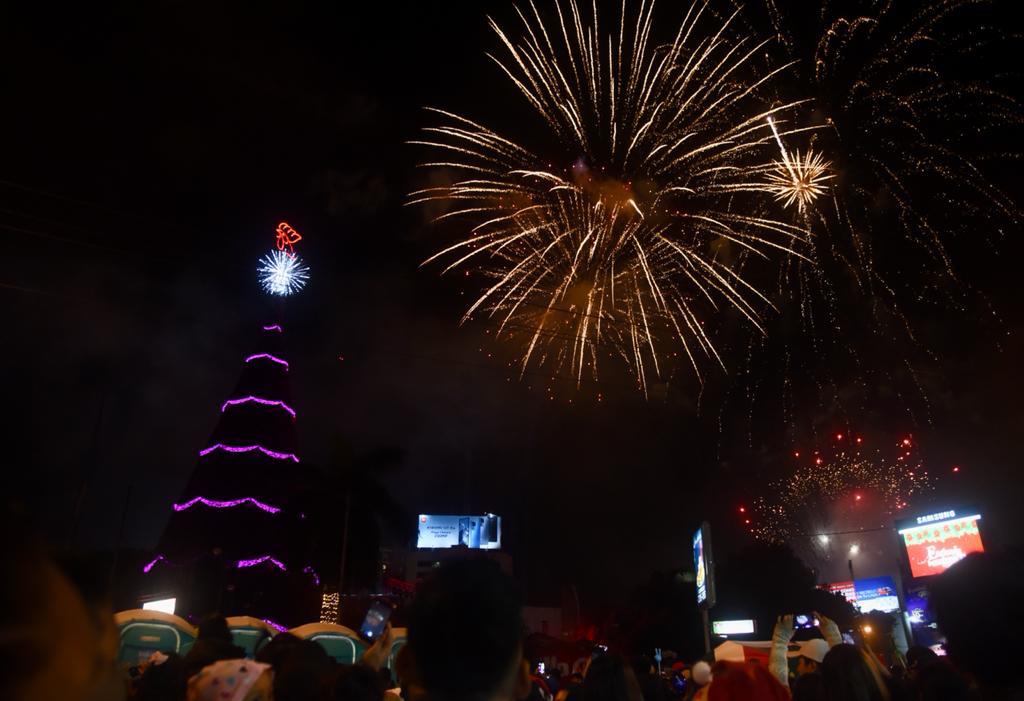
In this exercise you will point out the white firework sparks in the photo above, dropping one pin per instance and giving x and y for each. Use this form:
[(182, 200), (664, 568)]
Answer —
[(282, 273), (798, 178)]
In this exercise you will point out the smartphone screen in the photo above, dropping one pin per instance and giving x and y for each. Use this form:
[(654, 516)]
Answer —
[(376, 618), (804, 620)]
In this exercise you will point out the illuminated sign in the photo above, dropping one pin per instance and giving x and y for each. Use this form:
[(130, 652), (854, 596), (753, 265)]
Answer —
[(481, 532), (867, 595), (932, 518), (162, 605), (702, 566), (847, 590), (739, 627), (935, 545), (876, 594), (287, 237)]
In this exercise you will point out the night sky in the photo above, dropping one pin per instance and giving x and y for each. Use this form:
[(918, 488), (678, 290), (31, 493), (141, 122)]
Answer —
[(149, 150)]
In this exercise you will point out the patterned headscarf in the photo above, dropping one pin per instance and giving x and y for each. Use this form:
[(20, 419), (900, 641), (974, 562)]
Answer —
[(232, 680)]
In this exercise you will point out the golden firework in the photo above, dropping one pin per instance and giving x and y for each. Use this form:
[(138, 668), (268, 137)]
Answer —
[(637, 226), (798, 179)]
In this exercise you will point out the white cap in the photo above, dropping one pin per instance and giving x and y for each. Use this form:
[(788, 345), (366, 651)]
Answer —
[(701, 673), (814, 649)]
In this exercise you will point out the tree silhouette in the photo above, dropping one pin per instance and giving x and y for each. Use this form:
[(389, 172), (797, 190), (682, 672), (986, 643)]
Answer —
[(351, 489), (763, 581)]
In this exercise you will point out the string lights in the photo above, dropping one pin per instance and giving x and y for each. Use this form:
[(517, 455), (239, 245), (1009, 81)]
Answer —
[(152, 563), (308, 569), (329, 607), (226, 504), (268, 356), (242, 564), (258, 400), (247, 449)]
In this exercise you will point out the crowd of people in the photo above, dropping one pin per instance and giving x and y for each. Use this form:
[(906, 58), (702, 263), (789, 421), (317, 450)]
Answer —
[(466, 643)]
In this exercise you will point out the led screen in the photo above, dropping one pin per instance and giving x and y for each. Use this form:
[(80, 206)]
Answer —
[(876, 594), (742, 627), (481, 532), (867, 595), (702, 567), (163, 605), (933, 545)]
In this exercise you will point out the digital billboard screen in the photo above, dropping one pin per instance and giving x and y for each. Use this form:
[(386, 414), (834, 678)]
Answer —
[(936, 541), (737, 627), (867, 595), (876, 594), (479, 532), (702, 566)]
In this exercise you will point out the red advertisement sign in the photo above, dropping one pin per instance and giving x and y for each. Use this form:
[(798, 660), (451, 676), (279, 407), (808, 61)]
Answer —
[(933, 547)]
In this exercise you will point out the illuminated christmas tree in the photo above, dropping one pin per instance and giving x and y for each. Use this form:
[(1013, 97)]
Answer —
[(237, 541)]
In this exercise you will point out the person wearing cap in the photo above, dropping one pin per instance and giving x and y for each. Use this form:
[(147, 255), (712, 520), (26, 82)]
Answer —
[(812, 652), (700, 677)]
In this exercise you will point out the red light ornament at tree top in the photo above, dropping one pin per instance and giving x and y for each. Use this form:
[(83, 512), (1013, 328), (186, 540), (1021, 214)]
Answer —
[(281, 272), (287, 237)]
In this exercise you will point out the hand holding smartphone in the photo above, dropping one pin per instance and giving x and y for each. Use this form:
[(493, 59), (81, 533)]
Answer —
[(376, 620)]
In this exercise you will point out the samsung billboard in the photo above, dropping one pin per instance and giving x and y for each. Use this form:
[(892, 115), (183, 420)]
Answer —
[(936, 541)]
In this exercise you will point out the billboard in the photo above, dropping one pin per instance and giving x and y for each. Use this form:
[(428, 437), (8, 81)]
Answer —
[(935, 541), (703, 566), (867, 595), (481, 532), (738, 627)]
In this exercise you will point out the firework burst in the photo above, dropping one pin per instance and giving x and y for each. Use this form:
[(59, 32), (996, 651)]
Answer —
[(636, 226), (846, 479), (282, 273), (797, 179), (912, 111), (909, 111)]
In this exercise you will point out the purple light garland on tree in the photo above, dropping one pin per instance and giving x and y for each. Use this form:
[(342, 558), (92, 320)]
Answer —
[(242, 564), (268, 356), (276, 626), (152, 563), (308, 569), (273, 327), (218, 504), (248, 449), (258, 400)]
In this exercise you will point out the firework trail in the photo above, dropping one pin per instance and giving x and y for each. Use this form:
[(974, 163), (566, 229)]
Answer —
[(912, 108), (916, 127), (635, 228)]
